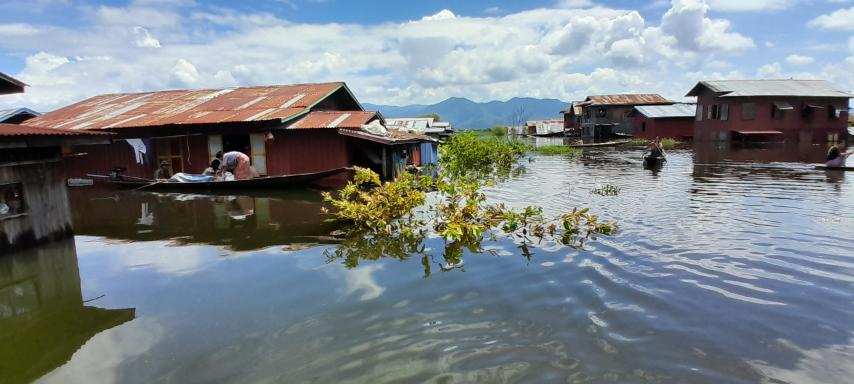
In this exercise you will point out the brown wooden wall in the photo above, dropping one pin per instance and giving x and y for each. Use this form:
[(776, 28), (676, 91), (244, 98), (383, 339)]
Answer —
[(48, 215), (309, 150)]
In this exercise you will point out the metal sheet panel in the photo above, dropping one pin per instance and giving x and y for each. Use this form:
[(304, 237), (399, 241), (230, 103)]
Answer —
[(667, 111), (626, 99), (783, 87)]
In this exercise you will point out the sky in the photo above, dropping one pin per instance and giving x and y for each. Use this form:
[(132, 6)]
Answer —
[(418, 52)]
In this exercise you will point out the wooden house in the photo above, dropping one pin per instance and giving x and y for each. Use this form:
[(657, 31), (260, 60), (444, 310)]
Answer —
[(769, 110), (285, 129), (603, 116), (674, 121)]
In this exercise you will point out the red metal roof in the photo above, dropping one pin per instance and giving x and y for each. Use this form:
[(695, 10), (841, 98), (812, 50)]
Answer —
[(395, 136), (151, 109), (334, 119), (25, 130), (626, 99)]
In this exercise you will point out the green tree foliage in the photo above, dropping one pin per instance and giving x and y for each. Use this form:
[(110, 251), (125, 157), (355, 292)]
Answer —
[(499, 131), (467, 155)]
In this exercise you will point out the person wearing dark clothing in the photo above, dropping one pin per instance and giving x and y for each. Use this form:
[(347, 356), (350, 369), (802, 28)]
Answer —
[(162, 172)]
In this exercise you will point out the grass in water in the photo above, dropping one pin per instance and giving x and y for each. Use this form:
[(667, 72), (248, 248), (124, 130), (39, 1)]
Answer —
[(666, 143), (558, 150), (607, 190)]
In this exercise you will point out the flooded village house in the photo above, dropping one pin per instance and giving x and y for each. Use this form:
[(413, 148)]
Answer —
[(33, 198), (673, 121), (769, 110), (285, 129), (603, 116)]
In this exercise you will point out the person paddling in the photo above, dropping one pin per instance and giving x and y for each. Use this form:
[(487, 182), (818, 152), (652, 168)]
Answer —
[(655, 150), (835, 157)]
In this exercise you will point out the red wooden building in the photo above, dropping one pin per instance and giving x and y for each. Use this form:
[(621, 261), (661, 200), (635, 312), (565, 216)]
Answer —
[(285, 129), (769, 110), (674, 121)]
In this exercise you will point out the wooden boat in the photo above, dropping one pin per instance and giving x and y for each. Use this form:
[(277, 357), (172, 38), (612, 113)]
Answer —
[(596, 145), (266, 182), (826, 168), (653, 161)]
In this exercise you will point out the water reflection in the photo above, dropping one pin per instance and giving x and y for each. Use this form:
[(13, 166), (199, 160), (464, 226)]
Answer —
[(239, 223), (43, 317)]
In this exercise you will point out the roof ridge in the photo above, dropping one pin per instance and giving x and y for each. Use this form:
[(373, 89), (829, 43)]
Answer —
[(218, 89)]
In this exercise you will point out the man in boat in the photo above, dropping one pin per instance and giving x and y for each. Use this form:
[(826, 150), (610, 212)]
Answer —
[(835, 158), (655, 150), (239, 164), (162, 172)]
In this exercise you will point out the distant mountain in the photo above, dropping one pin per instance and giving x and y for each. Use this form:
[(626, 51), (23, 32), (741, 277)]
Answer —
[(466, 114)]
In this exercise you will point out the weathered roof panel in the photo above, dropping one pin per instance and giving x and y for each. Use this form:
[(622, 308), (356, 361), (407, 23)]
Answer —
[(208, 106), (9, 84), (781, 87), (335, 119), (626, 99), (25, 130), (7, 114), (679, 110)]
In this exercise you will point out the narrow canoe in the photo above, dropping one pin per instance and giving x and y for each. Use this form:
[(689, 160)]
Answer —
[(826, 168), (266, 182), (653, 162), (594, 145)]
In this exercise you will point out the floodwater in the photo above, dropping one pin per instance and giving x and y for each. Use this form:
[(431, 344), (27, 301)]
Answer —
[(730, 266)]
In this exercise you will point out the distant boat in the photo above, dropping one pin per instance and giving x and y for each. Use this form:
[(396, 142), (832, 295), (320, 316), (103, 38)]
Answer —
[(826, 168)]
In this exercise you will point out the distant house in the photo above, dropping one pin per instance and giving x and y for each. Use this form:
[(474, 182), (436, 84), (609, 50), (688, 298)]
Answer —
[(602, 116), (769, 110), (285, 129), (17, 115), (674, 121), (33, 198), (424, 125), (572, 119), (544, 127)]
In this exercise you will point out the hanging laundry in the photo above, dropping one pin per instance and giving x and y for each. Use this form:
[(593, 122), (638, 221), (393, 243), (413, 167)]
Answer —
[(139, 149)]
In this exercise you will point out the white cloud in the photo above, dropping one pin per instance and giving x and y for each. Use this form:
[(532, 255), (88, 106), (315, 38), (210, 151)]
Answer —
[(795, 59), (574, 3), (841, 19), (441, 15), (185, 73), (17, 29), (750, 5), (687, 21), (769, 71), (144, 39)]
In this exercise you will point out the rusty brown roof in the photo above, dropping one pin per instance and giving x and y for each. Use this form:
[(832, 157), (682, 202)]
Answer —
[(626, 99), (178, 107), (395, 136), (25, 130), (334, 119)]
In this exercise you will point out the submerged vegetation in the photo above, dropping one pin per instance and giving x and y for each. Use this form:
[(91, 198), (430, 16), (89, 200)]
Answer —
[(666, 142), (607, 190), (499, 131), (558, 150), (393, 218)]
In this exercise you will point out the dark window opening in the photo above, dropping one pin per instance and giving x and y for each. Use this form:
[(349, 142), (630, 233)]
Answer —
[(172, 152), (833, 113), (238, 143), (12, 200), (643, 127), (20, 155)]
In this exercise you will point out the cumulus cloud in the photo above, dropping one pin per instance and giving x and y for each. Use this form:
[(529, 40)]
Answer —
[(17, 29), (841, 19), (574, 3), (770, 71), (795, 59), (550, 52)]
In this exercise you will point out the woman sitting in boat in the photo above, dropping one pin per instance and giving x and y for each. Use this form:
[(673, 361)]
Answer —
[(655, 150), (835, 158), (238, 164), (214, 168)]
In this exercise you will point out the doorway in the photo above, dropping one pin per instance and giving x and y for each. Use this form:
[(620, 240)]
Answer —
[(238, 143)]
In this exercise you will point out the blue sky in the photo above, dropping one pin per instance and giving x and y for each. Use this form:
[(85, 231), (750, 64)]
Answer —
[(398, 52)]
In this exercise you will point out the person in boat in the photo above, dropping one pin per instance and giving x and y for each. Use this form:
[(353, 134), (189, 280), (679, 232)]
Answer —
[(239, 164), (835, 157), (214, 168), (655, 149), (162, 172)]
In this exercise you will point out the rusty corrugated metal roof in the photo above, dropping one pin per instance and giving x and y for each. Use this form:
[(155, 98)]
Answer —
[(626, 99), (25, 130), (209, 106), (769, 87), (334, 119), (395, 136)]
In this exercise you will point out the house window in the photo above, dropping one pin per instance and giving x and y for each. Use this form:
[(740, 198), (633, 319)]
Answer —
[(833, 112), (699, 116), (12, 200), (601, 112), (748, 111), (643, 127), (716, 111), (724, 112), (779, 108), (171, 151)]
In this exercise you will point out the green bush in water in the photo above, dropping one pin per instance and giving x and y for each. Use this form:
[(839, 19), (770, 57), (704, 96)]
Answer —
[(666, 142), (467, 155), (558, 150), (498, 131)]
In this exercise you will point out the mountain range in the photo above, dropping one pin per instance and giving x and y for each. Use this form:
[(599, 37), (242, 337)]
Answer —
[(466, 114)]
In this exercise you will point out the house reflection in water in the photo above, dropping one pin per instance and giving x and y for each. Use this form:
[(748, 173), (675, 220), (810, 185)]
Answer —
[(43, 319), (237, 222)]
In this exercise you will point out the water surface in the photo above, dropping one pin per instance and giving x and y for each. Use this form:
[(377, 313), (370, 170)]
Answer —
[(730, 266)]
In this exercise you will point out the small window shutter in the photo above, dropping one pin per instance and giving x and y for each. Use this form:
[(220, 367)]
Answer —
[(214, 146), (259, 152), (711, 112), (699, 116), (725, 112)]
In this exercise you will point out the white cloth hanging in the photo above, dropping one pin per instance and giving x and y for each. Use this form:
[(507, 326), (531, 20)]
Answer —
[(139, 149)]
